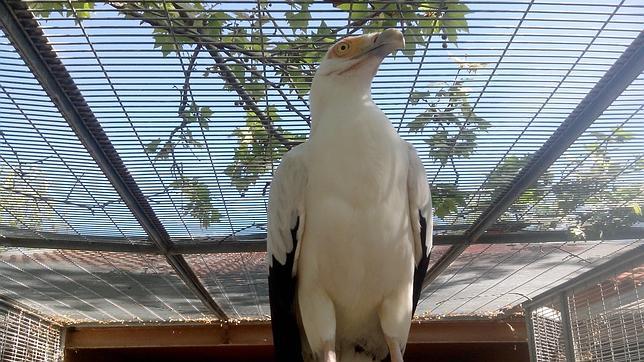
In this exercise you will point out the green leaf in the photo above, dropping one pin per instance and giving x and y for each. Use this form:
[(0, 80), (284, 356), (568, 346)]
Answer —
[(446, 199), (413, 38), (351, 6), (199, 204), (440, 146), (388, 23), (164, 152), (255, 152), (621, 136), (298, 19), (577, 232), (428, 26), (300, 83), (163, 40), (453, 21), (45, 8), (419, 122), (417, 96), (151, 147), (204, 117), (255, 89), (325, 32), (83, 9)]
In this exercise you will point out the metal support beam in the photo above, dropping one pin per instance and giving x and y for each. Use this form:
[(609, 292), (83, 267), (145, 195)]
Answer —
[(566, 328), (626, 69), (259, 333), (108, 246), (24, 33), (257, 242), (532, 349)]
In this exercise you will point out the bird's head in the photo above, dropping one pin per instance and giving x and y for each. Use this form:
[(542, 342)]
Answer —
[(349, 65)]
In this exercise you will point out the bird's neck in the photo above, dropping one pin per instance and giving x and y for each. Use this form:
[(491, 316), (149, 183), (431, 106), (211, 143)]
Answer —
[(328, 100)]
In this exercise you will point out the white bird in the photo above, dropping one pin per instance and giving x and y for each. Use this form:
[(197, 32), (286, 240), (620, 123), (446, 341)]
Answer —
[(349, 220)]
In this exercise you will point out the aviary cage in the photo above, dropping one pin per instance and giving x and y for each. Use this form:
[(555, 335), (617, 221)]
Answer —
[(138, 139)]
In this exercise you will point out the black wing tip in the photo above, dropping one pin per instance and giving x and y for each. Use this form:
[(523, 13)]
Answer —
[(281, 292), (421, 269)]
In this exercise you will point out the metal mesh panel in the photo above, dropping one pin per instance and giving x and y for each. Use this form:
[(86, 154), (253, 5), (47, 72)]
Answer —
[(548, 333), (237, 281), (82, 286), (597, 316), (27, 338), (539, 59), (488, 279), (48, 182), (607, 319)]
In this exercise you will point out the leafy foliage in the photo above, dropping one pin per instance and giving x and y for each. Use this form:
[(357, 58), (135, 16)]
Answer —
[(507, 170), (255, 53), (81, 9), (20, 202), (597, 222), (199, 204), (449, 117), (591, 186), (256, 152), (419, 20), (446, 199), (581, 189)]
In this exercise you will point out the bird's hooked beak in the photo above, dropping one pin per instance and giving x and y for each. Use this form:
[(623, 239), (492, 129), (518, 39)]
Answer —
[(383, 44), (362, 52)]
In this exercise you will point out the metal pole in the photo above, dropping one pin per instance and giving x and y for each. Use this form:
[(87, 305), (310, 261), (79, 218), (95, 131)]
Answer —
[(74, 244), (531, 338), (257, 242), (566, 328)]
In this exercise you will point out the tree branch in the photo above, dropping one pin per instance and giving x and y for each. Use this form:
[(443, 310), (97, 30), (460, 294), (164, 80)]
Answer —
[(352, 27), (185, 90), (213, 47), (229, 77), (131, 10), (277, 87), (45, 199)]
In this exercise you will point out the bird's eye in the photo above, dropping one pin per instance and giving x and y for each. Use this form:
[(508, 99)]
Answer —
[(342, 48)]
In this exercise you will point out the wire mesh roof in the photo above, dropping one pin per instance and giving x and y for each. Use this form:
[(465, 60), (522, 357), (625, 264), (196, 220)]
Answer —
[(488, 279), (83, 286), (200, 99), (48, 182)]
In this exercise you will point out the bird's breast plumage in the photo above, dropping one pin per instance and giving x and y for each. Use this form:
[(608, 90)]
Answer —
[(357, 214)]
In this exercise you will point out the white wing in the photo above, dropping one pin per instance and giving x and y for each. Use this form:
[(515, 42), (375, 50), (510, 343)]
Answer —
[(286, 207), (420, 204), (420, 212)]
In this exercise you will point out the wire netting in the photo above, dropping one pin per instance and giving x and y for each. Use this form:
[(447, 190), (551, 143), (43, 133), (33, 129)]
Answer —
[(28, 338), (491, 279), (151, 73), (85, 286), (607, 319), (548, 333)]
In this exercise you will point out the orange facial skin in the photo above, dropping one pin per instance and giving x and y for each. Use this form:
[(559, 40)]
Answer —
[(362, 52), (350, 47)]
